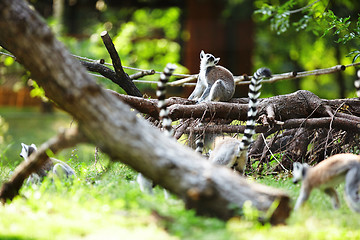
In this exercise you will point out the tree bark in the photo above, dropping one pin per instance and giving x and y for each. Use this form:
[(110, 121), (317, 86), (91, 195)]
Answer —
[(116, 130), (301, 104)]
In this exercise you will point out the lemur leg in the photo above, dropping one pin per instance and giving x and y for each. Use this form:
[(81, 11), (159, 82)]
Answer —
[(33, 179), (205, 95), (352, 188), (198, 91), (304, 195), (219, 92), (240, 164), (334, 197), (145, 184)]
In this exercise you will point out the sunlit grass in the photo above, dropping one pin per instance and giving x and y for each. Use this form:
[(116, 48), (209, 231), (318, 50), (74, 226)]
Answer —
[(110, 204)]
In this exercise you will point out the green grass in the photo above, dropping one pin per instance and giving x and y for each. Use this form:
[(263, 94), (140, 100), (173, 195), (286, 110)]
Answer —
[(109, 205)]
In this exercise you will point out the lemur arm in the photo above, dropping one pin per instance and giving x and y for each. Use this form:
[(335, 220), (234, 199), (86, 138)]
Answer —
[(199, 89), (304, 195), (205, 94)]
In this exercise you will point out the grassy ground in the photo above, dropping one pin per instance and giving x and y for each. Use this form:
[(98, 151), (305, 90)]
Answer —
[(109, 205)]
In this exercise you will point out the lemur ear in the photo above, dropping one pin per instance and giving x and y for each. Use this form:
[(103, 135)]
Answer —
[(216, 60), (34, 146), (202, 54), (296, 165)]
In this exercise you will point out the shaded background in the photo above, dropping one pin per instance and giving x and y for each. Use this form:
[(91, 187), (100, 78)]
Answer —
[(148, 34)]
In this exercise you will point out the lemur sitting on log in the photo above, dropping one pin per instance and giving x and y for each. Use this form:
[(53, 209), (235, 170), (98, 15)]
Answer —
[(214, 83)]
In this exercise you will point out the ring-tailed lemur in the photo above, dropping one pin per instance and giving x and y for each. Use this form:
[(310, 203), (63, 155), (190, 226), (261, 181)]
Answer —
[(144, 183), (214, 83), (328, 174), (357, 84), (230, 151), (57, 167)]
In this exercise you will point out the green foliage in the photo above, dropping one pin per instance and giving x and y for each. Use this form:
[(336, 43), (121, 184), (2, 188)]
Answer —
[(144, 38), (299, 35), (38, 91), (342, 27)]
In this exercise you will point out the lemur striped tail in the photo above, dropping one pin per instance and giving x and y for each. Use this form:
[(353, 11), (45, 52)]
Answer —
[(254, 93), (162, 103), (199, 141), (357, 84)]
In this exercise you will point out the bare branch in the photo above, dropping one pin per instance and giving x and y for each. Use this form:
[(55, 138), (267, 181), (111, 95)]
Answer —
[(114, 55), (126, 84), (142, 74)]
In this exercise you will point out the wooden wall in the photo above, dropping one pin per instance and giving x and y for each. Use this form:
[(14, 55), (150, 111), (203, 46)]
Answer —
[(19, 98)]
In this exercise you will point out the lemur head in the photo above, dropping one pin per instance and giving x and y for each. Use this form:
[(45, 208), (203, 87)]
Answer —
[(299, 171), (207, 60), (27, 150)]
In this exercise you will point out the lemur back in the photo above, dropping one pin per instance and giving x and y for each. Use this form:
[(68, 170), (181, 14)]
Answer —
[(145, 184), (230, 151), (215, 83)]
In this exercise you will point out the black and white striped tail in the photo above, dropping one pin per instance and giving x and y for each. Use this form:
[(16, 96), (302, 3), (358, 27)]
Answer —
[(162, 103), (199, 145), (199, 141), (254, 93), (357, 84)]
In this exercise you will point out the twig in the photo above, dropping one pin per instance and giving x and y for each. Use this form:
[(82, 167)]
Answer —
[(330, 128), (262, 135), (181, 82), (303, 8), (142, 74)]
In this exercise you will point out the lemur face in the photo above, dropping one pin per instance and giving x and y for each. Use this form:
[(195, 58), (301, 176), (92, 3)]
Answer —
[(208, 59), (27, 150), (298, 171)]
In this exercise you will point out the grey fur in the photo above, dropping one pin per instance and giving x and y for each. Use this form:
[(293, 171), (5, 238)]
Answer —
[(214, 83)]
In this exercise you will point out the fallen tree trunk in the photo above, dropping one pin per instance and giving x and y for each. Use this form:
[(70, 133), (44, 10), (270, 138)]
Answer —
[(119, 132)]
